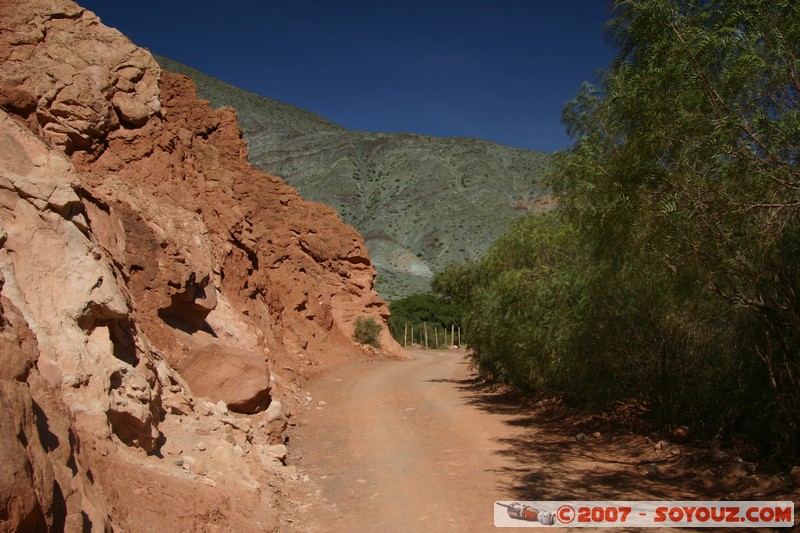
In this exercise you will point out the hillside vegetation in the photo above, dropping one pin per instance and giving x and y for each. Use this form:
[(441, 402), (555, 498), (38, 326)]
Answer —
[(670, 272), (420, 202)]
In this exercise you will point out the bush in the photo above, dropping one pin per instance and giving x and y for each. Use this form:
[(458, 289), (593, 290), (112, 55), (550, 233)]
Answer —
[(367, 331)]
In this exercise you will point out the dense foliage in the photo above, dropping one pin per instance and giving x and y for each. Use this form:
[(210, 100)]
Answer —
[(424, 311), (671, 270)]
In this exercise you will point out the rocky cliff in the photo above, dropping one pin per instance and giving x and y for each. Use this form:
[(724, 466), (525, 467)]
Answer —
[(421, 202), (160, 298)]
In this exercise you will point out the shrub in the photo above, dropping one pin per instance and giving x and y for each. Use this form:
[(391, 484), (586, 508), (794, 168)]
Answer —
[(367, 331)]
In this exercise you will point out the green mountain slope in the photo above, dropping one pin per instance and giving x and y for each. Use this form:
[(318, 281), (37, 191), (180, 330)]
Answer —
[(420, 201)]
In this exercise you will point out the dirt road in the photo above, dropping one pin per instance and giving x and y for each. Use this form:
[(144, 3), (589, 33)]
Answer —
[(408, 446), (397, 447)]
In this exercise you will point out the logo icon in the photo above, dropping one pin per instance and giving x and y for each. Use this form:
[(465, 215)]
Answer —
[(517, 511)]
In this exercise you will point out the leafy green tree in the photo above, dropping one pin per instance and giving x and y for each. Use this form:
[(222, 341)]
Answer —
[(457, 281), (683, 181), (671, 269), (521, 319), (418, 309)]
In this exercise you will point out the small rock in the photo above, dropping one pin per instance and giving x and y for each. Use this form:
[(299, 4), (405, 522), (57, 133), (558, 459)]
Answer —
[(69, 380), (680, 434), (179, 462), (596, 434), (580, 436), (187, 461), (673, 471), (222, 408), (278, 451), (322, 403), (273, 412), (652, 470), (204, 408), (706, 478), (269, 460), (228, 434), (210, 482), (130, 73), (48, 369), (718, 456), (199, 468), (242, 424), (794, 475), (201, 446), (177, 404), (674, 451), (733, 472), (662, 445), (130, 110)]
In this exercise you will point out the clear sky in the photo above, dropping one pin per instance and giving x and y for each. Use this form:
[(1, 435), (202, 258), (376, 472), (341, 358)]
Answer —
[(494, 69)]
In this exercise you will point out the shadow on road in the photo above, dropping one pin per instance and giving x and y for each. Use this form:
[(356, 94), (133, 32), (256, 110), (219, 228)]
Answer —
[(552, 463)]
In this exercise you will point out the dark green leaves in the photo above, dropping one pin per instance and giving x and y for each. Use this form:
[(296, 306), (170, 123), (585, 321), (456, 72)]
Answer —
[(671, 270)]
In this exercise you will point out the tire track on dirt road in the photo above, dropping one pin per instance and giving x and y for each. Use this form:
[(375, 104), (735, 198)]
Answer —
[(397, 447)]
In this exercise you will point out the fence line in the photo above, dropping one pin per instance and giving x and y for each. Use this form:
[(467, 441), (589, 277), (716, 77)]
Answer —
[(422, 336)]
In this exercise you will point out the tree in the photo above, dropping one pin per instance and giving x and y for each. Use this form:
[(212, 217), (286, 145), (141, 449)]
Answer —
[(670, 271), (685, 167), (418, 309)]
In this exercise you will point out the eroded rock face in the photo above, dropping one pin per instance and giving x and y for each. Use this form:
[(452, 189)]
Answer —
[(84, 78), (147, 270)]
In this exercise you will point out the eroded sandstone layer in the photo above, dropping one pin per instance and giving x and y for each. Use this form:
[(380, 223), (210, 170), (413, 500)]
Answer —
[(160, 297)]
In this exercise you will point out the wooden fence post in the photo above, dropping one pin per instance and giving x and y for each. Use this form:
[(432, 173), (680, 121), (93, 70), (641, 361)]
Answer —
[(459, 336), (405, 336), (425, 325)]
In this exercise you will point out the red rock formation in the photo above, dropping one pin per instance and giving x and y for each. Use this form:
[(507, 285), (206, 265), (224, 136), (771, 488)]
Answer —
[(140, 252)]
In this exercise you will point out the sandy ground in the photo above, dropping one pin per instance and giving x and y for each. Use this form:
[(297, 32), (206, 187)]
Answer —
[(421, 445)]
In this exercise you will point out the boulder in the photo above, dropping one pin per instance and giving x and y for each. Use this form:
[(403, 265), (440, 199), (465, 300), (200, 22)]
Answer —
[(130, 110), (240, 378)]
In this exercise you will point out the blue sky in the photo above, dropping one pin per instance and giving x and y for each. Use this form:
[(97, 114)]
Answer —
[(498, 70)]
